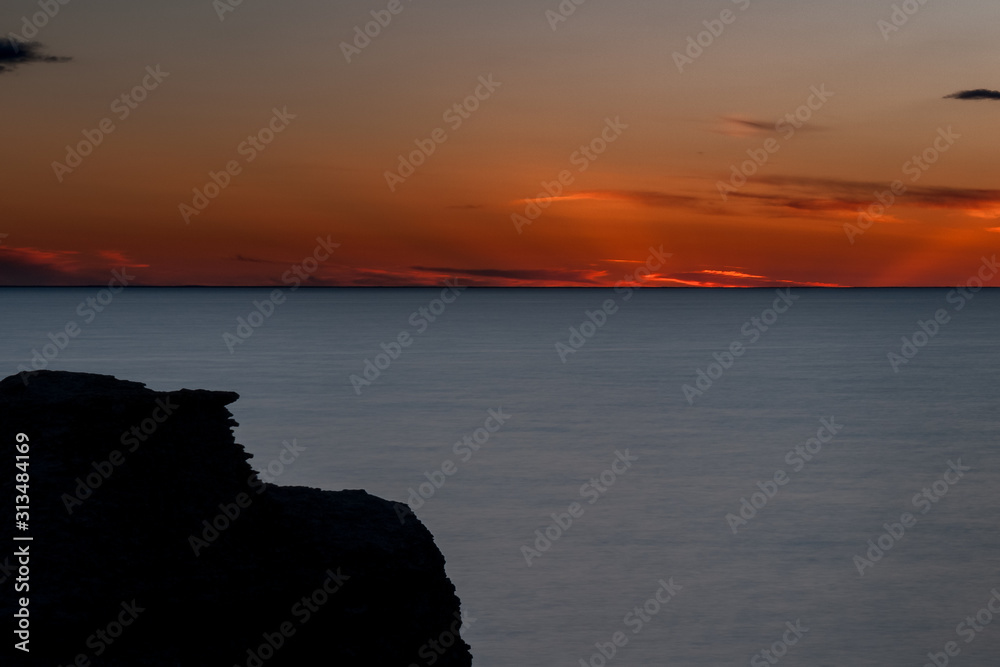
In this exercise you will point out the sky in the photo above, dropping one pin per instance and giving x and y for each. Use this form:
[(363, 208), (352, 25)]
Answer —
[(754, 142)]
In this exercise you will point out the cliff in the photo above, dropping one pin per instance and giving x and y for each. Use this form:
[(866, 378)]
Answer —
[(154, 542)]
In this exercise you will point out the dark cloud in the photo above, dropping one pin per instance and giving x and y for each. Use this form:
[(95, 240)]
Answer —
[(651, 198), (16, 272), (28, 266), (753, 124), (14, 53), (68, 268), (803, 196), (826, 195), (978, 94), (584, 277), (256, 260), (647, 197)]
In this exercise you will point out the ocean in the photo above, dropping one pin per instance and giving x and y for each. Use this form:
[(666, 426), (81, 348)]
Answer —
[(649, 477)]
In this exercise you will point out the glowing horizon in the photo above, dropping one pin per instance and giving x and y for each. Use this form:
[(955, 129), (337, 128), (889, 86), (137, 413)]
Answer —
[(500, 145)]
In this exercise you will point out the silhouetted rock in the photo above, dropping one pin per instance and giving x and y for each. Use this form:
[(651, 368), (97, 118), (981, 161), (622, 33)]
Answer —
[(128, 538)]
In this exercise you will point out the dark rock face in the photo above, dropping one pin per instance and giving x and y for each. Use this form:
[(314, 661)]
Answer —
[(127, 568)]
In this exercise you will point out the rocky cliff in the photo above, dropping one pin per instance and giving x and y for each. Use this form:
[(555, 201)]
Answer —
[(154, 542)]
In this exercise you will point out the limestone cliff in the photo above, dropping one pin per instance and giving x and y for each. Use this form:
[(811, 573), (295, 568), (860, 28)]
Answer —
[(155, 543)]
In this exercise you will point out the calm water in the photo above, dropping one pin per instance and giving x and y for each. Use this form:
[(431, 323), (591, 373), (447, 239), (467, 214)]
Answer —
[(665, 516)]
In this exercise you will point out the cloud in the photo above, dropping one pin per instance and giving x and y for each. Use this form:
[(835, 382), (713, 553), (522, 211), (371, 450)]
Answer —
[(827, 195), (730, 278), (119, 259), (647, 198), (255, 260), (31, 266), (35, 267), (427, 276), (790, 196), (651, 198), (14, 53), (513, 277), (978, 94), (741, 126)]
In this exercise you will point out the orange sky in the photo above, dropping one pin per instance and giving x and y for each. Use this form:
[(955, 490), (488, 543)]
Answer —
[(663, 130)]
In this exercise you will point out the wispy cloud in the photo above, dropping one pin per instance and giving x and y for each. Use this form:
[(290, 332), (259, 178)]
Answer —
[(729, 278), (34, 266), (256, 260), (513, 277), (790, 196), (643, 197), (742, 126), (823, 195), (119, 259)]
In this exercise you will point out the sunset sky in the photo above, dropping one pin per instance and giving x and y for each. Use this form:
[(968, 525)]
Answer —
[(877, 102)]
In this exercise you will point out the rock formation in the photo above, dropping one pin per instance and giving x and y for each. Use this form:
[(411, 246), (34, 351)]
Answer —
[(156, 543)]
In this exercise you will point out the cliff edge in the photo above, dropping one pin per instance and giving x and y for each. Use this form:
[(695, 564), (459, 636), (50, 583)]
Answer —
[(154, 542)]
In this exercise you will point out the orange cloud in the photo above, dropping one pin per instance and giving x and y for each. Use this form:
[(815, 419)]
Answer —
[(729, 278), (34, 266)]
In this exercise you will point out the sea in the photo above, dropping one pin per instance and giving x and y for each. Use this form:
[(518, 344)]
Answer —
[(641, 477)]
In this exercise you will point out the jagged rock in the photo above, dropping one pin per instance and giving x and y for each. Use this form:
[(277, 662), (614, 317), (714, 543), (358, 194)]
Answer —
[(122, 538)]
